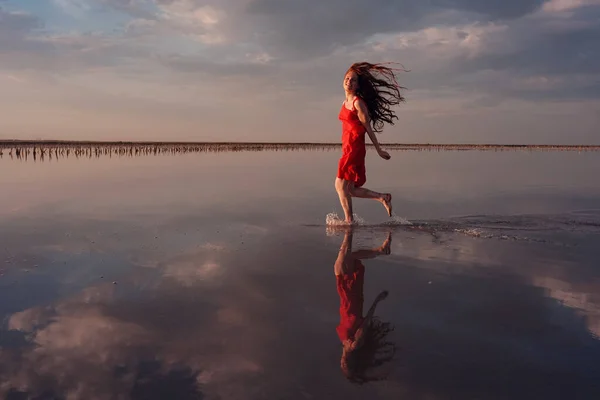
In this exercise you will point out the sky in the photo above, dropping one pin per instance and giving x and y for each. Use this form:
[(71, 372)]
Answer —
[(495, 71)]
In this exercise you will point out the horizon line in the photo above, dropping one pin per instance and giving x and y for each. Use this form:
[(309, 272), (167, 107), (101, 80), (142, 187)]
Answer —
[(42, 142)]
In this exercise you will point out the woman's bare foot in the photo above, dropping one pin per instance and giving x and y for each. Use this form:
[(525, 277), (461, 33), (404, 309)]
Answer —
[(386, 200), (386, 246)]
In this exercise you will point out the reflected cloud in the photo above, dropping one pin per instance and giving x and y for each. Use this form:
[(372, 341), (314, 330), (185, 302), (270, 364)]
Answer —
[(188, 273), (73, 352), (583, 298), (142, 339), (210, 317), (28, 320)]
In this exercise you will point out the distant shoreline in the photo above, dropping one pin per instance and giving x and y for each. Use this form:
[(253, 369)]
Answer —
[(28, 144)]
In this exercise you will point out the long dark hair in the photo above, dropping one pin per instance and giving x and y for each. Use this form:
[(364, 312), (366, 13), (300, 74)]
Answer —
[(379, 89), (375, 352)]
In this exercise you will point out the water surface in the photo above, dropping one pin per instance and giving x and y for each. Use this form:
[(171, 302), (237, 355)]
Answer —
[(211, 276)]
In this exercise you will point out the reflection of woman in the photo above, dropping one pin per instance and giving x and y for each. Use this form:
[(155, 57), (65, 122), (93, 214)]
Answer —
[(363, 338)]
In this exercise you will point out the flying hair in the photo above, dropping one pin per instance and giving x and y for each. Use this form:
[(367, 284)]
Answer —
[(379, 89), (365, 364)]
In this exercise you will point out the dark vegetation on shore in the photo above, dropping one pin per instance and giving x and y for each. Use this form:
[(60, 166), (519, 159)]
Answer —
[(42, 149)]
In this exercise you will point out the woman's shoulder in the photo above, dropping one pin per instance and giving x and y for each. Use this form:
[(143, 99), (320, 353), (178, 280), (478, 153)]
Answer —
[(358, 101)]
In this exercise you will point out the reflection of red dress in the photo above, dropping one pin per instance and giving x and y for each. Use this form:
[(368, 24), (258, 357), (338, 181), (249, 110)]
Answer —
[(350, 289), (351, 166)]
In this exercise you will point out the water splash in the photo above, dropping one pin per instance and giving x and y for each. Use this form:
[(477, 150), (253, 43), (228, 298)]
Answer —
[(398, 220), (473, 232), (333, 223), (332, 219)]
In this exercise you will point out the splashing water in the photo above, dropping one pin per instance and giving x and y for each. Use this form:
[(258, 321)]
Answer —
[(332, 219), (474, 232), (398, 220), (333, 223)]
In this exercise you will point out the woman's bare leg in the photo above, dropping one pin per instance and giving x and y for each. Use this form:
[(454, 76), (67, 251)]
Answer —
[(383, 198), (343, 190)]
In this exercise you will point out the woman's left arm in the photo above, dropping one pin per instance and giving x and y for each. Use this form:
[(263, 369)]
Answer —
[(359, 336), (363, 116)]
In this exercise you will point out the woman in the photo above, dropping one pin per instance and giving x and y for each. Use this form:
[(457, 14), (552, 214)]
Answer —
[(366, 108), (364, 344)]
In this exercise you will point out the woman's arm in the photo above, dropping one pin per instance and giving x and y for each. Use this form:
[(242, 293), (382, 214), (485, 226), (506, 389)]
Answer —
[(363, 116), (359, 336)]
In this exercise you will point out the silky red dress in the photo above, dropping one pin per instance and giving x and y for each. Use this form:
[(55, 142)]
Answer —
[(351, 166), (350, 290)]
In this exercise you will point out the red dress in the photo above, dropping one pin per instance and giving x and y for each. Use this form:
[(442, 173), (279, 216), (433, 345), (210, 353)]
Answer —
[(351, 166), (350, 290)]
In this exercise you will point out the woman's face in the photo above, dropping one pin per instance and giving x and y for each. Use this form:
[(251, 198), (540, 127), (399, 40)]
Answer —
[(351, 82)]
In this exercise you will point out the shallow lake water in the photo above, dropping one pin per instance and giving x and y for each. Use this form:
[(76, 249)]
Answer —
[(211, 276)]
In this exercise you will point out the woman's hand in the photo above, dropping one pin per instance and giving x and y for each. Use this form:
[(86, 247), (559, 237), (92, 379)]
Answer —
[(381, 296), (384, 154)]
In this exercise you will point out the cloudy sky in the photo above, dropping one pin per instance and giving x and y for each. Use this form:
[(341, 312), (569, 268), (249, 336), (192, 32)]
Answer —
[(504, 71)]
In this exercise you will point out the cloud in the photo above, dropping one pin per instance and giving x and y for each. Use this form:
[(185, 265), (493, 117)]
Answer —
[(451, 44), (566, 5), (15, 26), (25, 45), (282, 25), (81, 8), (187, 13), (245, 36), (197, 21), (540, 56), (544, 43), (75, 8), (466, 52)]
